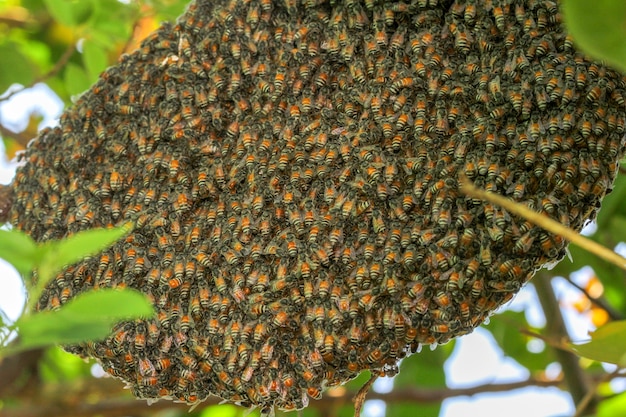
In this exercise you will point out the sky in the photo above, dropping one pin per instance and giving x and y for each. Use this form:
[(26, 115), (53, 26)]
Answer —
[(476, 358)]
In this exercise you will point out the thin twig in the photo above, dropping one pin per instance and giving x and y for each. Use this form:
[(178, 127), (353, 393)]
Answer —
[(57, 67), (359, 398), (110, 400), (133, 33), (20, 137), (557, 343), (545, 222), (582, 406), (113, 401), (600, 302)]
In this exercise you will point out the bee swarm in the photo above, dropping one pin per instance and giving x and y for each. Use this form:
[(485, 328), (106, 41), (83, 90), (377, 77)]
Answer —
[(292, 169)]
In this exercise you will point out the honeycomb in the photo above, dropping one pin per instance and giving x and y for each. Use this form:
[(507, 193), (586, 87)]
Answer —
[(292, 170)]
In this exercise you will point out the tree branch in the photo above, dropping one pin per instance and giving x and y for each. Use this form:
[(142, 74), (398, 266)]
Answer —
[(57, 67), (128, 46), (108, 399), (20, 138), (599, 301), (576, 379), (20, 367), (583, 405)]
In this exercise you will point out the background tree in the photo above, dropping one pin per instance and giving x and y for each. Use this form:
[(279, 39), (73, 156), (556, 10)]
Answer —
[(66, 45)]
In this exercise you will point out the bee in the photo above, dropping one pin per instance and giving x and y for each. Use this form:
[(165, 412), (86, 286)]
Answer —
[(586, 125), (401, 123), (374, 356), (504, 286), (462, 39), (280, 320), (322, 79), (220, 283), (116, 181), (618, 97), (594, 94), (406, 82), (367, 301), (581, 78), (355, 333), (380, 35), (375, 104)]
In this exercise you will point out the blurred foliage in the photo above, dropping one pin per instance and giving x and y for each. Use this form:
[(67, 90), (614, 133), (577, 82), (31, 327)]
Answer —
[(88, 316), (598, 27), (66, 44), (426, 372), (606, 344)]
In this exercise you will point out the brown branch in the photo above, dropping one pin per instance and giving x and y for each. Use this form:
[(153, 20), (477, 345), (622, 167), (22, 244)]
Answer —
[(57, 67), (16, 17), (20, 137), (576, 379), (359, 398), (552, 341), (425, 395), (127, 48), (17, 371), (109, 400), (582, 406)]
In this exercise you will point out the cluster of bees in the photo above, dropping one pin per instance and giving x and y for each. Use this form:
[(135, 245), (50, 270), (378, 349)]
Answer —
[(292, 170)]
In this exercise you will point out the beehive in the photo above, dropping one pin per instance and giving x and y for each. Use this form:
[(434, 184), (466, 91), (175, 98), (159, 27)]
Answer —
[(292, 169)]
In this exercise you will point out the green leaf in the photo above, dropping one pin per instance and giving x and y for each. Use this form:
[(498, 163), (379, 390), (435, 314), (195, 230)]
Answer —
[(310, 411), (61, 11), (89, 316), (169, 10), (69, 12), (598, 28), (15, 67), (19, 250), (62, 253), (109, 304), (112, 20), (59, 366), (613, 203), (56, 327), (617, 227), (95, 59), (37, 53), (76, 79), (613, 407), (505, 328), (606, 345), (82, 10), (222, 410)]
